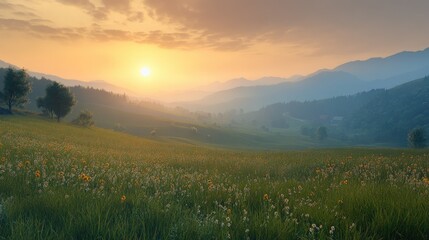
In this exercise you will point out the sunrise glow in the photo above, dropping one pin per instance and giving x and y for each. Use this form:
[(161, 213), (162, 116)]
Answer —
[(145, 72)]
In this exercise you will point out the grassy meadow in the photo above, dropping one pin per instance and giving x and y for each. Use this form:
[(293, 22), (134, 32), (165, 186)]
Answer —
[(58, 181)]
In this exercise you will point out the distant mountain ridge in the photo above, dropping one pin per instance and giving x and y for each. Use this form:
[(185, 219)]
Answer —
[(391, 66), (348, 78), (243, 82), (99, 84), (322, 85)]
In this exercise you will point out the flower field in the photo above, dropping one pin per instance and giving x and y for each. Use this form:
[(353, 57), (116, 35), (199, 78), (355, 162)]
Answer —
[(58, 181)]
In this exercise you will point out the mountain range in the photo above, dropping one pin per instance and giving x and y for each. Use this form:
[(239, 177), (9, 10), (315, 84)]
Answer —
[(348, 78), (250, 95)]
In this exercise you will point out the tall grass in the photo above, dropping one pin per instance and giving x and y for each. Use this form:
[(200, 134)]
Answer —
[(63, 182)]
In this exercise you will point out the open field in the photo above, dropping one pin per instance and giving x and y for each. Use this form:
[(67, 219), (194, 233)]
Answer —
[(59, 181)]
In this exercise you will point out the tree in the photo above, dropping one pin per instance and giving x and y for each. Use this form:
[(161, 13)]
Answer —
[(58, 100), (416, 138), (41, 103), (16, 88), (84, 119), (322, 133)]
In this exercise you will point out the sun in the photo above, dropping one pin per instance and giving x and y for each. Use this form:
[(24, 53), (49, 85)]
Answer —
[(145, 72)]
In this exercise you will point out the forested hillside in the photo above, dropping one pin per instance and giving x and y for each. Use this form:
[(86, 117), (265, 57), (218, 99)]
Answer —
[(376, 116)]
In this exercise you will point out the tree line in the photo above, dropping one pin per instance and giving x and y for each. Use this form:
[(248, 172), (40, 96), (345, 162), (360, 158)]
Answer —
[(56, 104)]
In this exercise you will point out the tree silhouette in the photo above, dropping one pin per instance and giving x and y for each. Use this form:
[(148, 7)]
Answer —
[(416, 138), (16, 88), (58, 100), (84, 119), (322, 133)]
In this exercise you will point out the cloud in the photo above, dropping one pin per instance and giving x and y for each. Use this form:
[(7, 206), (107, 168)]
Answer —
[(17, 10), (108, 6), (40, 30), (326, 24), (340, 26)]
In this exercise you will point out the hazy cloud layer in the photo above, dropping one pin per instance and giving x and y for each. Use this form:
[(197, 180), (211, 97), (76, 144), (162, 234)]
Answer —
[(101, 12), (38, 28), (237, 24), (316, 22)]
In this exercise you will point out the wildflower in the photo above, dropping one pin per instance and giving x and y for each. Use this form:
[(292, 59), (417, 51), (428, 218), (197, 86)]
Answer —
[(37, 174), (266, 197), (344, 182), (85, 177), (332, 230), (426, 181), (123, 198)]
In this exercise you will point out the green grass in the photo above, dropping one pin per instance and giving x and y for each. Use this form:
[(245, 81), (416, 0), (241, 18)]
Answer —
[(180, 191)]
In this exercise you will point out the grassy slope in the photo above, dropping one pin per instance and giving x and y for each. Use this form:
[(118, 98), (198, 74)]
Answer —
[(181, 191)]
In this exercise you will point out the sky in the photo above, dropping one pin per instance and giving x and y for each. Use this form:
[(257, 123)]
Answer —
[(190, 43)]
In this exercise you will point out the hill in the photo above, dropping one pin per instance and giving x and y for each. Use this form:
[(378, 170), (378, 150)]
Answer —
[(100, 84), (348, 78), (377, 116), (59, 181), (322, 85), (116, 111), (391, 66)]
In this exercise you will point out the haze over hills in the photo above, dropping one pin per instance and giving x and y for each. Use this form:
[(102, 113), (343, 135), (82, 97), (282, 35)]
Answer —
[(99, 84), (389, 67), (249, 95), (243, 82), (203, 91), (345, 79), (254, 97), (376, 116)]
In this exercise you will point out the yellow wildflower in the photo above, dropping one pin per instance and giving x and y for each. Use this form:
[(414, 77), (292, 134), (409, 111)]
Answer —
[(426, 181), (37, 174), (123, 198), (266, 197), (20, 165)]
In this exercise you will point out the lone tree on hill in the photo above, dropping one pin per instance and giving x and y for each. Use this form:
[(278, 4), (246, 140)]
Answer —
[(58, 101), (322, 133), (416, 138), (16, 88), (84, 119)]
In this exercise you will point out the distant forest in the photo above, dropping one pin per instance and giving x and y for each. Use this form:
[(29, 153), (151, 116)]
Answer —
[(373, 116)]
